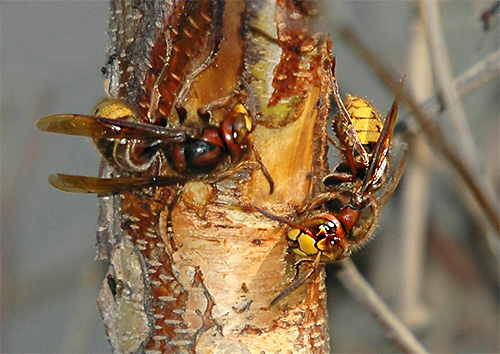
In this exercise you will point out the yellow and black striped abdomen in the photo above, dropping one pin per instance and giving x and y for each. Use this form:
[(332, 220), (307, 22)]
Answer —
[(366, 120)]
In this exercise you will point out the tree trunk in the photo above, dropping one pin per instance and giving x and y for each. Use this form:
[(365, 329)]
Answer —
[(191, 269)]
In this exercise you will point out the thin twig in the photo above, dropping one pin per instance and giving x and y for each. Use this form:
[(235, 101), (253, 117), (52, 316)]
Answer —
[(365, 294), (432, 131), (412, 243), (444, 79), (430, 18), (484, 70), (415, 196), (477, 75)]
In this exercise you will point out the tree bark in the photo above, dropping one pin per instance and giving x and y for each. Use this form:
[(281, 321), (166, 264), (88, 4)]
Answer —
[(191, 270)]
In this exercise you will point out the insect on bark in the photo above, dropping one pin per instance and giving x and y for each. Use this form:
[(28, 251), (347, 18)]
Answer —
[(208, 100), (342, 217)]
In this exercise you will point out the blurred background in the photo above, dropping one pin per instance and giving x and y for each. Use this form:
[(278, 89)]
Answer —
[(434, 260)]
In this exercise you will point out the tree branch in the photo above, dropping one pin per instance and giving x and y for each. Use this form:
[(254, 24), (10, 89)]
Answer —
[(190, 270), (364, 293), (444, 78)]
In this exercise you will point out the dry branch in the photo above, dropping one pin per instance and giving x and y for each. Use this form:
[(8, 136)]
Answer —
[(365, 294), (444, 77), (484, 70)]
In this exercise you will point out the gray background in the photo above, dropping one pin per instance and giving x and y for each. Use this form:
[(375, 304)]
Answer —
[(51, 55)]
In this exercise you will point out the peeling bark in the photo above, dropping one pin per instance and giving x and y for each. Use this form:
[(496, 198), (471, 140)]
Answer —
[(190, 270)]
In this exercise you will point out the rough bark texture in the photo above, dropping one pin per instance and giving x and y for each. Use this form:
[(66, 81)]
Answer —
[(190, 270)]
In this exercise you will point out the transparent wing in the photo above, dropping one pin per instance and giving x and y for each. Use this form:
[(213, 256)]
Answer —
[(99, 128), (85, 184)]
